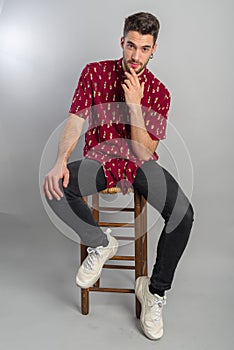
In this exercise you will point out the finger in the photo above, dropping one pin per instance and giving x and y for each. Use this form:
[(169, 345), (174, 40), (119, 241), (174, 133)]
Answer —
[(46, 189), (135, 76), (51, 188), (142, 88), (43, 187), (56, 189), (66, 179), (131, 78), (125, 88), (128, 83)]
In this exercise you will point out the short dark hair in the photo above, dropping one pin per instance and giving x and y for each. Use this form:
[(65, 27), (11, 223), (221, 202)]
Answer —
[(142, 22)]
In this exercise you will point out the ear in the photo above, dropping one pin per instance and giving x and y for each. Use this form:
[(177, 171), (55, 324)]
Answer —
[(122, 42), (154, 48)]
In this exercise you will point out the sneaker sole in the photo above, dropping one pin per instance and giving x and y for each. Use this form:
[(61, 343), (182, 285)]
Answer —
[(139, 295)]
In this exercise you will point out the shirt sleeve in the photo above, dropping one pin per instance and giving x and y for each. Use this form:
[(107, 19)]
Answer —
[(157, 115), (82, 98)]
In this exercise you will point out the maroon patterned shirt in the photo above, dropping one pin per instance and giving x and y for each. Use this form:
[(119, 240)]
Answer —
[(100, 97)]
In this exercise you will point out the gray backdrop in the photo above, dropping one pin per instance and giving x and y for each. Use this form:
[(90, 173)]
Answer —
[(43, 47)]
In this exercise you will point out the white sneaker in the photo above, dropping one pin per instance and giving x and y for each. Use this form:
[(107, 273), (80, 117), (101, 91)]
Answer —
[(91, 268), (151, 309)]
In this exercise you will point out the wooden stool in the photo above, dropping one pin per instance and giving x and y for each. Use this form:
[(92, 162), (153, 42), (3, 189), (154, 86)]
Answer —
[(140, 238)]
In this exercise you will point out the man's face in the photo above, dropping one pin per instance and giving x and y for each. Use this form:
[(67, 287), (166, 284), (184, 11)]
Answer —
[(137, 49)]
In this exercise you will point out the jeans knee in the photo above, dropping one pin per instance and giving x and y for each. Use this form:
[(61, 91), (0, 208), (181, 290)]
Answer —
[(71, 192), (189, 216), (53, 203)]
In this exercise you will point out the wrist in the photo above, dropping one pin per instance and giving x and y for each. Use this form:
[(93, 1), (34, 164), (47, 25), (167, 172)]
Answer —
[(134, 109), (60, 162)]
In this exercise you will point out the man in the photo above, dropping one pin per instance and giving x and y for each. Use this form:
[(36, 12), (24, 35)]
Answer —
[(127, 108)]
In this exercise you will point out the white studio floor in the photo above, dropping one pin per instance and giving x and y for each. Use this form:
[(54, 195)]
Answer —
[(40, 303)]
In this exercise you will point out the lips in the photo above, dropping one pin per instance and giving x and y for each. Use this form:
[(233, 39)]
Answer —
[(134, 65)]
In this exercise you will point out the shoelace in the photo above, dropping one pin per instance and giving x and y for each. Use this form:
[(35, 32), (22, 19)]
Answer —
[(92, 257), (157, 308)]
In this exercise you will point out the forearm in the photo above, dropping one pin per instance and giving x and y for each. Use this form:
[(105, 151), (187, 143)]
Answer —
[(69, 138), (142, 144)]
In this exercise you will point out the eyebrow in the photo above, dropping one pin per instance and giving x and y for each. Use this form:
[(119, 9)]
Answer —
[(145, 46)]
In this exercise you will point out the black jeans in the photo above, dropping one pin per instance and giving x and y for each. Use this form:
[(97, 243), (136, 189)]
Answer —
[(157, 186)]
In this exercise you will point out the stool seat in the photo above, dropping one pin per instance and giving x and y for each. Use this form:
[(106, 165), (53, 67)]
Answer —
[(113, 190), (139, 258)]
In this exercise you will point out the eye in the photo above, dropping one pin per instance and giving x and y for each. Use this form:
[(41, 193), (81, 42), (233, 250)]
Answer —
[(130, 46), (145, 49)]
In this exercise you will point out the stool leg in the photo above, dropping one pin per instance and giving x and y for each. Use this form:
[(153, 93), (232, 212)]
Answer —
[(85, 301), (84, 292), (144, 236), (138, 273), (138, 244), (95, 212)]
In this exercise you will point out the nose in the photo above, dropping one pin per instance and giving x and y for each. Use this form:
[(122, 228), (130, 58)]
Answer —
[(136, 55)]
